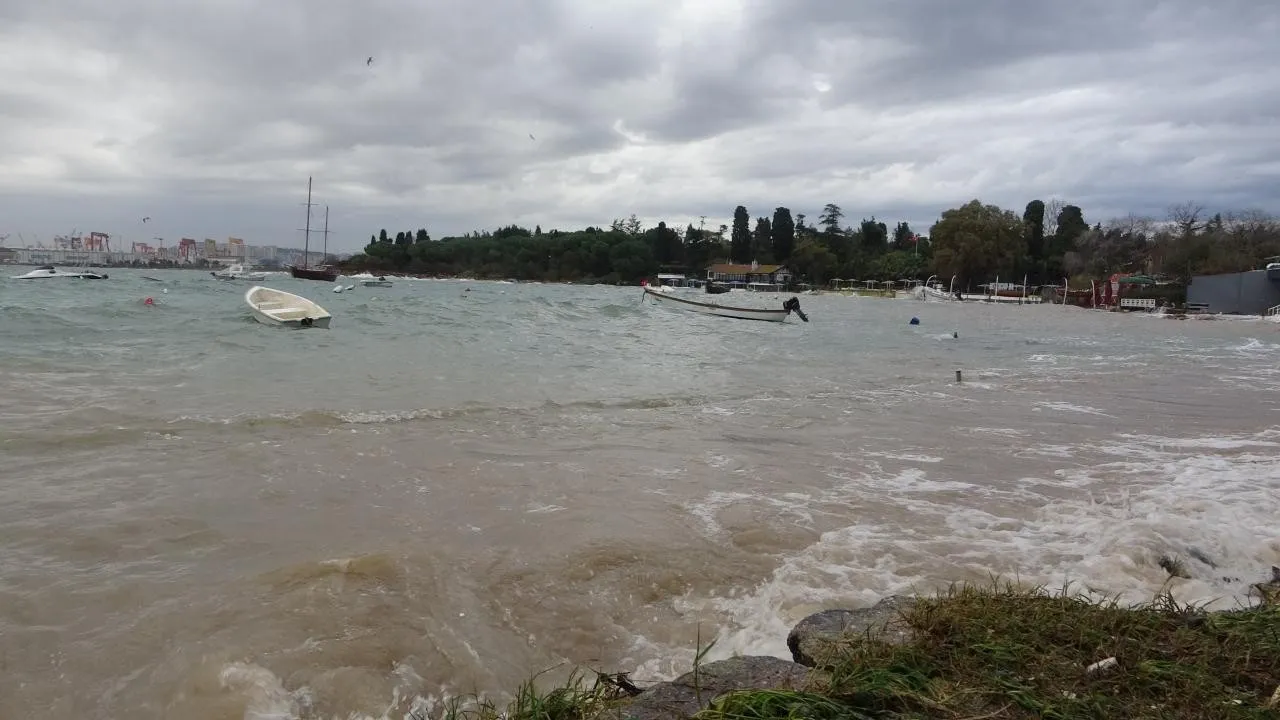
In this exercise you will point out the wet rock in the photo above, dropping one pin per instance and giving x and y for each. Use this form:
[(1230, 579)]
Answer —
[(1269, 591), (691, 692), (1201, 556), (820, 636), (1175, 567)]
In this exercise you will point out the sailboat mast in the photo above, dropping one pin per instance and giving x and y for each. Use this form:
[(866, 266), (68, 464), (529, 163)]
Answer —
[(306, 237), (325, 258)]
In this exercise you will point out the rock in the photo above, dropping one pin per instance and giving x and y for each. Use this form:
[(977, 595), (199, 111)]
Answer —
[(691, 692), (1175, 567), (1203, 557), (819, 636), (1269, 591)]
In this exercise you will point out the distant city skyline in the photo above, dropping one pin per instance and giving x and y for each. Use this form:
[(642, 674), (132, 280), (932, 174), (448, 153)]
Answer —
[(95, 248)]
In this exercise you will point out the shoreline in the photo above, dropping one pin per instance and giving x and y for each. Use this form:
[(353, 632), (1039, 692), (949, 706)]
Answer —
[(994, 652)]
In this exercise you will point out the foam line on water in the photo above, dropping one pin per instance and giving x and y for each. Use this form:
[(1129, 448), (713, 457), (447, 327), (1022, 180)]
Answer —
[(1102, 531)]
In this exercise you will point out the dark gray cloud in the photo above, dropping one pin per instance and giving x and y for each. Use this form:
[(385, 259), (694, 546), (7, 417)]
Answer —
[(209, 117)]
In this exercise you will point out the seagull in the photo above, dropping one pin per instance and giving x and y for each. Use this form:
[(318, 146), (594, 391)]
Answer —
[(369, 61), (531, 137), (146, 218)]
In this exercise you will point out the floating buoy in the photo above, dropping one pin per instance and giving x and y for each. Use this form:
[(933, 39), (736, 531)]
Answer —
[(915, 321), (955, 335), (148, 301)]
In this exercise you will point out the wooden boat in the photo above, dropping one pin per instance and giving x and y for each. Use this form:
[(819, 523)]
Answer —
[(320, 272), (379, 281), (324, 273), (711, 308), (277, 307)]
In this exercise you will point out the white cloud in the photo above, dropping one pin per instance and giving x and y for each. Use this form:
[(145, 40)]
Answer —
[(208, 116)]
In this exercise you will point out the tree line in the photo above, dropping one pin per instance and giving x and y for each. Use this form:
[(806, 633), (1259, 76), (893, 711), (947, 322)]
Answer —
[(975, 242)]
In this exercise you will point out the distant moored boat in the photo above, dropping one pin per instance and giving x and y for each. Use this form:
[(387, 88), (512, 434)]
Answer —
[(324, 273)]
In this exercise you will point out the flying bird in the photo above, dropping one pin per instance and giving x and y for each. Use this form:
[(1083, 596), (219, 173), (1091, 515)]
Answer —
[(369, 61), (146, 218), (531, 137)]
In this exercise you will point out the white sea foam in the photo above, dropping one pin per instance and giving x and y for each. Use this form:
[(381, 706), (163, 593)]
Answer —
[(1201, 497), (1068, 407), (265, 696), (910, 456)]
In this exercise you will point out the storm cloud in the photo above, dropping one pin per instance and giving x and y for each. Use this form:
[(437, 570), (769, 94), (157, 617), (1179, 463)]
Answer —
[(209, 116)]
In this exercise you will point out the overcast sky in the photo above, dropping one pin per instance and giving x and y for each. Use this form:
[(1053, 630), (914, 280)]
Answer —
[(208, 116)]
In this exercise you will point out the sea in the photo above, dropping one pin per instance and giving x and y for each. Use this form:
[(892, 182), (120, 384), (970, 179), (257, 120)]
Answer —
[(462, 484)]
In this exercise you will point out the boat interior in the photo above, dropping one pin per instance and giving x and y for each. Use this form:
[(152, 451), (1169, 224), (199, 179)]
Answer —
[(285, 311)]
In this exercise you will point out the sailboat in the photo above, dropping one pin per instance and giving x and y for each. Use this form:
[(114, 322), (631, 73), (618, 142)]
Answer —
[(319, 272)]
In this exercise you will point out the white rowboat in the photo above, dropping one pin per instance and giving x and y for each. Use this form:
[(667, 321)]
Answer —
[(711, 308), (49, 271), (238, 272), (277, 307)]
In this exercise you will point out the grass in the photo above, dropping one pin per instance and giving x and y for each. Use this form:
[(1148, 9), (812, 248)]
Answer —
[(1002, 652), (578, 698), (1006, 652)]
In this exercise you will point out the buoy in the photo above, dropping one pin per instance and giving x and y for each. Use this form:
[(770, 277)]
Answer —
[(915, 321), (148, 301), (955, 335), (958, 376)]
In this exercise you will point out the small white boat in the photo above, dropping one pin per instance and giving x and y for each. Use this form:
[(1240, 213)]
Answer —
[(930, 293), (277, 307), (379, 281), (49, 271), (237, 272), (682, 302)]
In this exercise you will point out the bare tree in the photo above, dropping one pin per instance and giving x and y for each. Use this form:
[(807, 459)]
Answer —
[(1249, 223), (1052, 207), (1186, 216), (1134, 225)]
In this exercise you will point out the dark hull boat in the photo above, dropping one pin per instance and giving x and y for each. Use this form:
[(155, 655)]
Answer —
[(320, 272)]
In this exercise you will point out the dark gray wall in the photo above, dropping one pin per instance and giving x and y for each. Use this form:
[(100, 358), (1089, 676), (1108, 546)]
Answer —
[(1246, 293)]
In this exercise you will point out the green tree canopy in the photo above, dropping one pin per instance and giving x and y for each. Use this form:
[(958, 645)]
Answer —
[(783, 239), (740, 240), (975, 241)]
